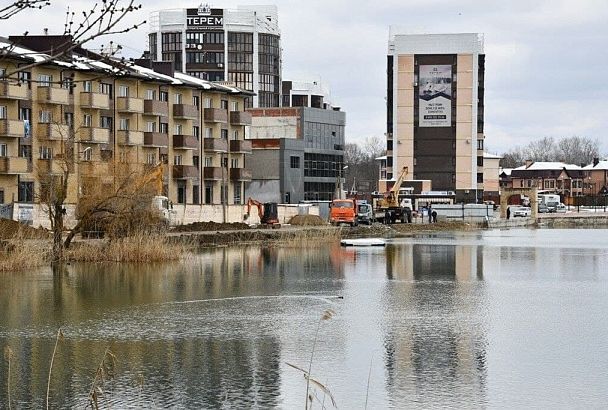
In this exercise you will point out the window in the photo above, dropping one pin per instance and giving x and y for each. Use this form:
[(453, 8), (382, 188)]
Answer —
[(150, 94), (181, 192), (224, 104), (224, 134), (150, 126), (1, 196), (479, 144), (480, 161), (46, 116), (196, 101), (25, 77), (25, 192), (151, 158), (177, 160), (237, 193), (46, 153), (124, 124), (105, 89), (295, 162), (26, 152), (196, 131), (88, 86), (208, 102), (68, 118), (164, 128), (105, 122), (195, 194), (208, 193), (178, 98), (235, 135), (196, 161), (87, 154), (234, 163), (87, 120), (208, 161), (164, 96), (235, 106), (178, 129), (45, 80), (3, 150), (208, 132), (123, 91), (3, 112), (480, 177)]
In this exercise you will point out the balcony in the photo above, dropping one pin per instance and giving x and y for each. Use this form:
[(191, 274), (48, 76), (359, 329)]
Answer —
[(185, 142), (240, 118), (53, 132), (213, 173), (240, 174), (216, 115), (53, 95), (156, 139), (50, 166), (13, 165), (11, 128), (128, 137), (130, 105), (96, 168), (185, 112), (95, 100), (157, 108), (215, 145), (185, 171), (13, 91), (94, 135), (240, 147)]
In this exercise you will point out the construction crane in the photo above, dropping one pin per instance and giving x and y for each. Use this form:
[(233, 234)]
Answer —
[(268, 212), (389, 205)]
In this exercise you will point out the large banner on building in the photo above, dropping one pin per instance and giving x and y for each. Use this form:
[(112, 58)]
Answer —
[(435, 96)]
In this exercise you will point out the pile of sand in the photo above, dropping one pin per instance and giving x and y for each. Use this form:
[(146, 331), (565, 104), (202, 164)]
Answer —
[(10, 229), (307, 220)]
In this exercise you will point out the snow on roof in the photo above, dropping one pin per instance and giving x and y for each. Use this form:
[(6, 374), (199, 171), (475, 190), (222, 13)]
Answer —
[(382, 158), (506, 171), (544, 166), (601, 165), (11, 48), (487, 155)]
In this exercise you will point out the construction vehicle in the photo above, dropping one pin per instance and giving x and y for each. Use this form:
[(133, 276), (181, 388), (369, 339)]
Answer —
[(343, 211), (389, 208), (267, 212)]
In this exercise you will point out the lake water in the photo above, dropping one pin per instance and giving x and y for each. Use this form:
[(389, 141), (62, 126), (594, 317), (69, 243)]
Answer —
[(500, 319)]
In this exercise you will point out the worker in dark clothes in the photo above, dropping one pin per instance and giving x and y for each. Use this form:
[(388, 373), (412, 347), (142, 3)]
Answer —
[(508, 212), (434, 214), (430, 212)]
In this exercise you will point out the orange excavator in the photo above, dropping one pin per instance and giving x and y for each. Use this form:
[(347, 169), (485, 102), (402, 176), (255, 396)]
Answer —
[(268, 212)]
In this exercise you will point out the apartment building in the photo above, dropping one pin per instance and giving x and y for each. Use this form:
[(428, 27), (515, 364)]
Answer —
[(241, 45), (435, 107), (104, 115), (567, 180)]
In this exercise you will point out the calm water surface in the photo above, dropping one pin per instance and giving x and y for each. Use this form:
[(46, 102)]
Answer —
[(500, 319)]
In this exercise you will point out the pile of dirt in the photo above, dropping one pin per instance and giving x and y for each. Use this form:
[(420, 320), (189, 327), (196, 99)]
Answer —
[(211, 226), (10, 229), (307, 220)]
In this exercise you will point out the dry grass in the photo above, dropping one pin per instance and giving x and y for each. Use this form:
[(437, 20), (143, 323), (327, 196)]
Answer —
[(308, 237), (140, 247), (19, 253)]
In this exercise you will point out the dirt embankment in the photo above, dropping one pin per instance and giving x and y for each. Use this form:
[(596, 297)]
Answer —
[(210, 226)]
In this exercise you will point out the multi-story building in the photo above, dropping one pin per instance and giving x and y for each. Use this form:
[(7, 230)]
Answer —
[(102, 114), (242, 46), (298, 151), (435, 106)]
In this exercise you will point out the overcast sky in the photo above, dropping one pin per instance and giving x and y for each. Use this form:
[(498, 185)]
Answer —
[(544, 59)]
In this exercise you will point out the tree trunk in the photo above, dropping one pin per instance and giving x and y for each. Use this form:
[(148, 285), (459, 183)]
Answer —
[(57, 234)]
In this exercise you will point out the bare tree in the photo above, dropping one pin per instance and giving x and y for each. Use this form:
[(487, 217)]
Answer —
[(361, 160), (572, 150), (578, 150), (105, 18)]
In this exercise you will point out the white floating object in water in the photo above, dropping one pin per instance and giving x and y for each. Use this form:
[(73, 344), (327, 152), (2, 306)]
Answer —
[(363, 242)]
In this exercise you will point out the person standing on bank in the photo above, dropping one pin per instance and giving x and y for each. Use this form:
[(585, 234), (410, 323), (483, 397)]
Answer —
[(434, 214), (430, 211), (508, 212)]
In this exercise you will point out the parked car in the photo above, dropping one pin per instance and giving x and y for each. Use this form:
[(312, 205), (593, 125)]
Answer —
[(561, 208), (522, 211), (542, 209)]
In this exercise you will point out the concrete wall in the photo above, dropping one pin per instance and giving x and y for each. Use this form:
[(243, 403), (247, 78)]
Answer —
[(467, 212)]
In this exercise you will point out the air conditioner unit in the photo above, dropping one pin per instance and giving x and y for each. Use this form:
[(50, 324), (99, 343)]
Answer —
[(220, 65)]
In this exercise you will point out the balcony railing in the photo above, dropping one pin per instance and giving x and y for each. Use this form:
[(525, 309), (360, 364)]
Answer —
[(156, 139), (213, 173), (100, 168), (13, 91), (185, 112), (215, 145), (240, 174), (216, 115), (240, 147), (53, 132), (95, 100), (50, 166), (94, 135), (128, 137), (13, 165), (185, 171), (240, 118), (12, 128), (130, 105), (185, 142), (155, 107), (53, 95)]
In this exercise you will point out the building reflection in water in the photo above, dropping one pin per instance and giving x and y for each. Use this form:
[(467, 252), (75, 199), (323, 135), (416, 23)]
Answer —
[(435, 353), (194, 355)]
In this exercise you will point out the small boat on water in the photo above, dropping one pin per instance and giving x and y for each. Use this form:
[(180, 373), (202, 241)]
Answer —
[(363, 242)]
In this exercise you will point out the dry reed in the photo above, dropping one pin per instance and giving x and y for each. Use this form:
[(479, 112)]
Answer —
[(308, 237), (137, 248), (20, 253)]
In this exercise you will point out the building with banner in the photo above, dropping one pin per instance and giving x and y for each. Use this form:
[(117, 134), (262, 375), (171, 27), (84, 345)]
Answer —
[(435, 106), (241, 46)]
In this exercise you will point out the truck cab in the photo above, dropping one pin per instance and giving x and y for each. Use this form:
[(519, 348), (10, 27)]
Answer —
[(365, 214), (343, 211)]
